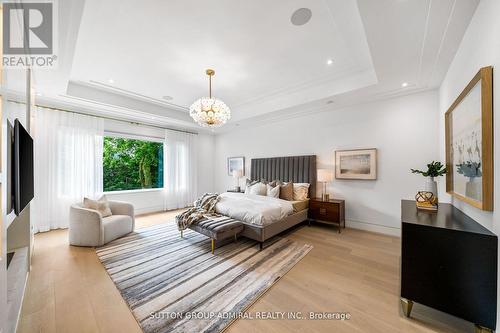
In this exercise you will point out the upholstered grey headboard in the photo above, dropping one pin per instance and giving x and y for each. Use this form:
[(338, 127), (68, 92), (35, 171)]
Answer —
[(297, 169)]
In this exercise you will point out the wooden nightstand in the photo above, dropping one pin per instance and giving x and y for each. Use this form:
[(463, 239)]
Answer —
[(331, 212), (234, 191)]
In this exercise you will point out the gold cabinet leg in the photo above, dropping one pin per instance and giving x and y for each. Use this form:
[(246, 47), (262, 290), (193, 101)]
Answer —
[(481, 329), (407, 305), (213, 246)]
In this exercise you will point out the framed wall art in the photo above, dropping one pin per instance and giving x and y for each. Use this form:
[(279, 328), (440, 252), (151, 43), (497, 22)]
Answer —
[(236, 164), (469, 143), (356, 164)]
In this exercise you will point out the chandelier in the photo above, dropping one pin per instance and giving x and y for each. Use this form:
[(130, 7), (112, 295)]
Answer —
[(210, 111)]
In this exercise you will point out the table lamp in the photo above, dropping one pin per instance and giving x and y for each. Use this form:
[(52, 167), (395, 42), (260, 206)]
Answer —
[(237, 174), (325, 176)]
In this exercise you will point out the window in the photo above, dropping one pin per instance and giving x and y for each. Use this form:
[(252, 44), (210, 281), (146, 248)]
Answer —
[(131, 164)]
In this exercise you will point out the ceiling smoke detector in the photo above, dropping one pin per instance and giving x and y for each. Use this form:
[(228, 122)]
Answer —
[(168, 98), (301, 16)]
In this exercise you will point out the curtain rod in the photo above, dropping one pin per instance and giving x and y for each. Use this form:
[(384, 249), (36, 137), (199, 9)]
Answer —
[(105, 117)]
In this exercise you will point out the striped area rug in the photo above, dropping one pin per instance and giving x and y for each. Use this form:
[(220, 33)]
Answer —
[(175, 284)]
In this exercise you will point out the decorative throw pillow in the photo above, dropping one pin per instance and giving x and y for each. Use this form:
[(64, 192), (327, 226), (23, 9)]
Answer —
[(272, 191), (275, 183), (249, 183), (101, 205), (258, 189), (300, 191), (286, 191)]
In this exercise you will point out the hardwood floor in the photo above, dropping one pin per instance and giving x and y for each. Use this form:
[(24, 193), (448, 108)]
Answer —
[(355, 271)]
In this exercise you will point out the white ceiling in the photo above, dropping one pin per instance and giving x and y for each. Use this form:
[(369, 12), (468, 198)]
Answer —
[(264, 65)]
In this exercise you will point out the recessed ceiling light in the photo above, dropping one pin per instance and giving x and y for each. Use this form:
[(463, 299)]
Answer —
[(111, 81), (167, 98), (329, 62), (301, 16), (404, 84), (329, 102)]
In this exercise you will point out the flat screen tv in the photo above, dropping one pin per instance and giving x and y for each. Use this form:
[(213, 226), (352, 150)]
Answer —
[(23, 168)]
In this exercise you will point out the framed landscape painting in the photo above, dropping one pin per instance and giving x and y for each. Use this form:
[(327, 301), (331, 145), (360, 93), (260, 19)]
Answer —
[(235, 164), (469, 143), (356, 164)]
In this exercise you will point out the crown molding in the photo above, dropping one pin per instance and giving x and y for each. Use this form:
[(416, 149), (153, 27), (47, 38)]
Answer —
[(93, 108), (290, 89), (314, 108), (128, 93)]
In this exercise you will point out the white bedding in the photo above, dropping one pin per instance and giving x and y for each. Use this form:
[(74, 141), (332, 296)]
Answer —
[(256, 209)]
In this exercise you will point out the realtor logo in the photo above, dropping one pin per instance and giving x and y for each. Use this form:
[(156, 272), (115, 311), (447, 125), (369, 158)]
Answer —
[(29, 34)]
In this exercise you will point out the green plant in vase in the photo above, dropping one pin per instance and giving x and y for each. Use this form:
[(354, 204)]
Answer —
[(434, 169)]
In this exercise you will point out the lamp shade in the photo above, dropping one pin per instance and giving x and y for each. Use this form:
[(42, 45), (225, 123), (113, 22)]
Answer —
[(237, 173), (325, 175)]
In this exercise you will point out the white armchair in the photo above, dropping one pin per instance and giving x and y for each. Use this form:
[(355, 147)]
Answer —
[(87, 227)]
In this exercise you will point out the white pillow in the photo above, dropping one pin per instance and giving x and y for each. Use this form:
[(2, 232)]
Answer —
[(101, 205), (249, 184), (258, 189), (273, 191), (300, 191)]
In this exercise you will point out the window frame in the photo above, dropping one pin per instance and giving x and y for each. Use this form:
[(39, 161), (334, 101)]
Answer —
[(135, 137)]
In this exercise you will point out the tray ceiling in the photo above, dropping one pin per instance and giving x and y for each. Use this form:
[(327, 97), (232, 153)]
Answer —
[(264, 64)]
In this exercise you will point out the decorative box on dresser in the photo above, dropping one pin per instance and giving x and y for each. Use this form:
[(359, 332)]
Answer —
[(331, 211), (449, 262)]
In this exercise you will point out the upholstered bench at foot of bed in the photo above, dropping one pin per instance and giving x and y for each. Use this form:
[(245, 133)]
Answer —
[(218, 228)]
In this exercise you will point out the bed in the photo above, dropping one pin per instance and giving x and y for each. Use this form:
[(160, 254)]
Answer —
[(276, 215)]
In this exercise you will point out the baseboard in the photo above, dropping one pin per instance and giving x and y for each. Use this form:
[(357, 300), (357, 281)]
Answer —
[(381, 229)]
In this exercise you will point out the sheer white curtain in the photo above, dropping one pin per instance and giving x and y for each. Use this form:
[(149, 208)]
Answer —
[(68, 164), (180, 174)]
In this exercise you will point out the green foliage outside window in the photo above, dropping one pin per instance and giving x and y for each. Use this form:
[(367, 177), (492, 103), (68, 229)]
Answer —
[(130, 164)]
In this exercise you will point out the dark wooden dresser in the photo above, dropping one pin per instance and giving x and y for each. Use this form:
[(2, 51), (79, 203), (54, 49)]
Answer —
[(449, 262), (331, 211)]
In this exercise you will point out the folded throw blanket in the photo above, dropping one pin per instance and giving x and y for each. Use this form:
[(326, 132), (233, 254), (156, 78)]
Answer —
[(204, 206)]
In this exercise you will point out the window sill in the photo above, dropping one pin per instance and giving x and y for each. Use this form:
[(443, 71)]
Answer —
[(135, 191)]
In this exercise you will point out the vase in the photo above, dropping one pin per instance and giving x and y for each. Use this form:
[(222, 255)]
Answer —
[(431, 186), (473, 188)]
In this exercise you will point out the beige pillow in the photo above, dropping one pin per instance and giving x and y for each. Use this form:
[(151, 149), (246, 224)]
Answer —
[(300, 191), (101, 205), (286, 191), (272, 191)]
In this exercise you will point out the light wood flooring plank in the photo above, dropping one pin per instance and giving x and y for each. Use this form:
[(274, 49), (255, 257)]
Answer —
[(355, 271)]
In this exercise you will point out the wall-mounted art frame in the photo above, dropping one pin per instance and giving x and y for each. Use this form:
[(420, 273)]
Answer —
[(356, 164), (235, 163), (469, 142)]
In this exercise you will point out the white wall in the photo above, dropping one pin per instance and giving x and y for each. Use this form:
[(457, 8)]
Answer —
[(147, 201), (404, 130), (480, 47)]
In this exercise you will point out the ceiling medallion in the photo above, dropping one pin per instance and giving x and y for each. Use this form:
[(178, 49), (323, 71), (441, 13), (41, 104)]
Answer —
[(210, 111)]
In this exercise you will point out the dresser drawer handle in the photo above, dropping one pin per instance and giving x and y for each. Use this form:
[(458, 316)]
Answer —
[(322, 211)]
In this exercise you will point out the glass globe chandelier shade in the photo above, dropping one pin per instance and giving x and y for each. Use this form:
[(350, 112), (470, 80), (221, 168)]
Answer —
[(210, 111)]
